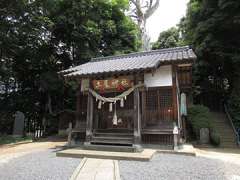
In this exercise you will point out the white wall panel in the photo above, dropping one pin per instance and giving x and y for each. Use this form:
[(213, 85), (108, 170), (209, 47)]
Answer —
[(161, 77)]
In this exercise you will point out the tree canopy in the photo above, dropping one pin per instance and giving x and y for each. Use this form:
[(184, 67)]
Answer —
[(212, 27), (169, 38), (39, 38)]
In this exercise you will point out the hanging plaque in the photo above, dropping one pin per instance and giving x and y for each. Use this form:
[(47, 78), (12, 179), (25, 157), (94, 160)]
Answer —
[(119, 84)]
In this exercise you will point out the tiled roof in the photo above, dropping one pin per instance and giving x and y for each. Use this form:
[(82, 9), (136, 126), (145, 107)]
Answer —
[(132, 62)]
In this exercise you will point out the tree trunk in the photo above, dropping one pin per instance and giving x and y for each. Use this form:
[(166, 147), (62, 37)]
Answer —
[(141, 11)]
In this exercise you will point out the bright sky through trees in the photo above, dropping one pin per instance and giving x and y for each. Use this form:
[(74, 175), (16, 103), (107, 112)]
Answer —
[(167, 15)]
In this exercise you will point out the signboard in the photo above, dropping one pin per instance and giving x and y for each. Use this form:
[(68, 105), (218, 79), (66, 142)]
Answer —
[(119, 84)]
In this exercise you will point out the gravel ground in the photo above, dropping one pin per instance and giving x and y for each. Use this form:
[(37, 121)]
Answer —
[(41, 165), (178, 167)]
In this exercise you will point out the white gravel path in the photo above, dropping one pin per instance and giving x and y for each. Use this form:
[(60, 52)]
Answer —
[(178, 167), (39, 165)]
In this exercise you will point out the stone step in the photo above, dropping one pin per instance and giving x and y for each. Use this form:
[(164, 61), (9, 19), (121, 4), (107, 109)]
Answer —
[(99, 147), (112, 138), (102, 134), (228, 137), (228, 140), (228, 143), (228, 146), (222, 125), (232, 136), (224, 129)]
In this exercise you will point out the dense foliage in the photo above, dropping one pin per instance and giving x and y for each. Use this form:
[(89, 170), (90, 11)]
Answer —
[(39, 38), (199, 117), (212, 27), (169, 38)]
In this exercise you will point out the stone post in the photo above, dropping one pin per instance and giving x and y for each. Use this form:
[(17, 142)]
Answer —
[(89, 124), (137, 121), (70, 134), (175, 138)]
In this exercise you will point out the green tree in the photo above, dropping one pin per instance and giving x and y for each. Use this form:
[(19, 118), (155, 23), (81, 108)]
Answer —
[(40, 38), (93, 28), (169, 38)]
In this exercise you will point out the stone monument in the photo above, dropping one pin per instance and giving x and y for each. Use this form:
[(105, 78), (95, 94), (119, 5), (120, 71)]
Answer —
[(204, 135), (18, 129)]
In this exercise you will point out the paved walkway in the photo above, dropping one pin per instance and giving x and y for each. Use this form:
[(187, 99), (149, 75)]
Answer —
[(225, 155), (9, 152), (97, 169)]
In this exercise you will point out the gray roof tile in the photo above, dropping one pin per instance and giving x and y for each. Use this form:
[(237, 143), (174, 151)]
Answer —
[(131, 62)]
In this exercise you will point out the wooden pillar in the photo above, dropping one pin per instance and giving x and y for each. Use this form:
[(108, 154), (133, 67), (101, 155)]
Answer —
[(78, 110), (143, 120), (89, 124), (137, 120), (174, 93)]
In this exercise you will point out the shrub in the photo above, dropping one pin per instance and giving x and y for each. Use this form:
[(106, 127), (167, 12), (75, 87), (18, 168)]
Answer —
[(199, 117)]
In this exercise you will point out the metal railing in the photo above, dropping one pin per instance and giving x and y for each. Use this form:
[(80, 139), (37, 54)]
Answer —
[(231, 122)]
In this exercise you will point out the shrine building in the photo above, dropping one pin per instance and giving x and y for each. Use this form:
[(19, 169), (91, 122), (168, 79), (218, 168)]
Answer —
[(133, 99)]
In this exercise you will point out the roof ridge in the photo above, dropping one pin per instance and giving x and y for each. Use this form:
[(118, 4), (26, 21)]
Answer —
[(142, 53)]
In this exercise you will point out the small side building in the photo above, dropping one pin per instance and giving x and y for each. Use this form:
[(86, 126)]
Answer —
[(134, 98)]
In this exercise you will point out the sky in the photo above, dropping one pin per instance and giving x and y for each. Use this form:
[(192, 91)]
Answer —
[(167, 15)]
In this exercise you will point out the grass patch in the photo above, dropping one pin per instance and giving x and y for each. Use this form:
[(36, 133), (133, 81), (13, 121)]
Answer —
[(11, 139)]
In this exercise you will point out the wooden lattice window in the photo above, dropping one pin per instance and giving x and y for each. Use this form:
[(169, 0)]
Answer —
[(151, 99), (158, 105), (165, 98)]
